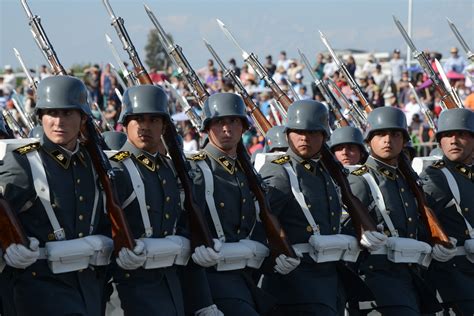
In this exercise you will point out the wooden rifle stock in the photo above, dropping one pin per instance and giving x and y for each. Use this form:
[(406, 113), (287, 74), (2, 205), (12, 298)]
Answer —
[(11, 231), (446, 97), (262, 123)]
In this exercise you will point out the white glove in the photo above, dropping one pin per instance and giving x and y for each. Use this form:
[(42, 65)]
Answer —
[(131, 260), (20, 257), (443, 254), (207, 257), (373, 240), (209, 311), (285, 265)]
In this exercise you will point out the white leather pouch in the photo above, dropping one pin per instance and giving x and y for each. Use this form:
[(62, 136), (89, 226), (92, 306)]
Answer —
[(353, 250), (185, 249), (233, 256), (160, 252), (469, 248), (408, 250), (103, 247), (68, 255), (259, 250), (327, 248)]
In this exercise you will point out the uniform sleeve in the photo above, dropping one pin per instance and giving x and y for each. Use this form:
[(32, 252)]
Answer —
[(436, 189), (279, 189)]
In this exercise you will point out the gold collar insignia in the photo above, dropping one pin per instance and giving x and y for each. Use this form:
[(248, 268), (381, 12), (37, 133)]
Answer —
[(227, 164), (147, 162), (464, 171), (388, 173), (60, 158)]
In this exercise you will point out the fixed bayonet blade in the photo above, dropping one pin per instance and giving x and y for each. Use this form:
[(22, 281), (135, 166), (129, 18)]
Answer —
[(307, 64), (404, 34), (27, 9), (443, 75), (214, 54), (331, 51), (116, 55), (109, 9), (158, 26), (117, 75), (25, 69), (231, 37), (460, 38)]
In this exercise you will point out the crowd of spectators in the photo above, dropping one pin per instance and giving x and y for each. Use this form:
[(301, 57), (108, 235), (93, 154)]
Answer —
[(384, 82)]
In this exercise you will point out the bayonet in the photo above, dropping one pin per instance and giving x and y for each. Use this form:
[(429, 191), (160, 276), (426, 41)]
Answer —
[(428, 114), (188, 109), (467, 49), (127, 74), (31, 80), (117, 75), (448, 86)]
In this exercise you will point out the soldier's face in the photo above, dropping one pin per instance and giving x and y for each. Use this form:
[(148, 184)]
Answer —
[(458, 146), (348, 154), (305, 144), (62, 126), (387, 145), (144, 131), (225, 133)]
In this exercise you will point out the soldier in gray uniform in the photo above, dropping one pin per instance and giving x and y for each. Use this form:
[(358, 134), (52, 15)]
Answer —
[(229, 206), (304, 198), (397, 287), (114, 140), (275, 140), (347, 144), (52, 187), (149, 284), (449, 185)]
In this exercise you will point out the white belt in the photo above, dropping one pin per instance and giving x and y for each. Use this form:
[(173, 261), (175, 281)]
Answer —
[(460, 251)]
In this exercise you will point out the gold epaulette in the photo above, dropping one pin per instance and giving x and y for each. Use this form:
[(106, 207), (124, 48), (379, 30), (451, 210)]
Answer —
[(120, 156), (23, 150), (360, 171), (438, 164), (198, 157), (281, 160)]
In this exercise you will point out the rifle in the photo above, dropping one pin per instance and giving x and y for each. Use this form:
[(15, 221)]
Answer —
[(352, 83), (469, 53), (447, 84), (359, 212), (426, 112), (33, 83), (121, 233), (13, 124), (200, 233), (446, 96), (11, 231), (131, 80), (192, 115)]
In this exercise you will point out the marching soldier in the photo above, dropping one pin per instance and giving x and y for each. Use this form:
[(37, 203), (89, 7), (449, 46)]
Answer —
[(275, 140), (347, 144), (52, 187), (229, 208), (449, 184), (304, 198), (114, 140), (147, 280), (379, 184)]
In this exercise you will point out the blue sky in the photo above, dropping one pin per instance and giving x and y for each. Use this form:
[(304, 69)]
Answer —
[(77, 27)]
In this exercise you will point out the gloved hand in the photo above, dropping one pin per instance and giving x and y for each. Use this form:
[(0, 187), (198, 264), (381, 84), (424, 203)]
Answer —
[(443, 254), (131, 260), (209, 311), (373, 240), (20, 257), (207, 257), (285, 265)]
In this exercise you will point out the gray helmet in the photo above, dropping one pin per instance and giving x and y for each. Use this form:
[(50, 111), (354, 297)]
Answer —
[(114, 140), (455, 120), (145, 99), (386, 118), (221, 105), (436, 152), (308, 115), (276, 138), (36, 132), (62, 92), (347, 135)]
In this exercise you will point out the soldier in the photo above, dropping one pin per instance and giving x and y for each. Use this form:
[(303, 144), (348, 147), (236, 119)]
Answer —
[(380, 185), (304, 198), (52, 187), (114, 140), (449, 185), (148, 284), (347, 144), (275, 140), (229, 208)]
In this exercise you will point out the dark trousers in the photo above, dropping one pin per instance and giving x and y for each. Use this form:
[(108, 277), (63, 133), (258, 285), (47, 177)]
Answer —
[(305, 310), (235, 307)]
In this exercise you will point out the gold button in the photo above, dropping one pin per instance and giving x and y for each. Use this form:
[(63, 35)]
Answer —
[(321, 169), (167, 216), (74, 163), (53, 205), (454, 265), (33, 273), (309, 229), (81, 217), (330, 198), (466, 232), (164, 181), (236, 169), (406, 204), (241, 184), (243, 216), (81, 198), (327, 183), (466, 209), (409, 264), (309, 205), (148, 207), (168, 199), (411, 235), (402, 189), (238, 231), (221, 204), (396, 176), (371, 267), (332, 213), (165, 233), (78, 181), (410, 219), (80, 234), (127, 275), (334, 229), (244, 200), (80, 270)]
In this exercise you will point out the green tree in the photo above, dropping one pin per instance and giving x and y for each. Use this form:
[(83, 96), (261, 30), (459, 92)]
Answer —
[(156, 55)]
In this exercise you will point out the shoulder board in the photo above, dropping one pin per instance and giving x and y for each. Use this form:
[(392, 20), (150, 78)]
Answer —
[(197, 157), (23, 150), (120, 156), (439, 164), (281, 160), (360, 171)]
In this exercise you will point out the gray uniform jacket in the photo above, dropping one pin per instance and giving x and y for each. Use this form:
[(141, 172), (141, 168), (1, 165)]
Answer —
[(36, 290), (453, 279), (310, 282)]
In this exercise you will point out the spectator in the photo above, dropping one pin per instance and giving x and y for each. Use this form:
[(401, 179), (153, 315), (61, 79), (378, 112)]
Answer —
[(330, 67), (9, 80), (455, 63), (246, 76), (205, 72), (189, 143), (44, 72), (319, 66), (294, 70), (397, 66), (92, 82), (30, 102), (283, 61), (270, 66), (233, 66), (351, 65), (257, 143), (280, 75), (106, 85), (3, 100), (412, 108), (303, 93), (379, 77), (369, 65)]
